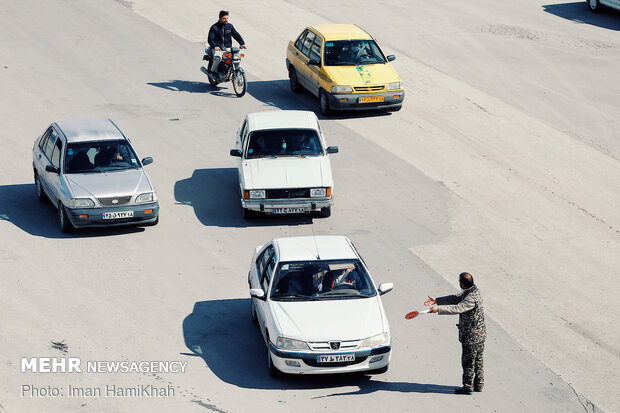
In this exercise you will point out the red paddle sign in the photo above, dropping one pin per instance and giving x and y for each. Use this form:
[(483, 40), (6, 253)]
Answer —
[(414, 314)]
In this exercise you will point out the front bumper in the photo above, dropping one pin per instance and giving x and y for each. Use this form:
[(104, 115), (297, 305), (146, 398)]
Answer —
[(94, 215), (351, 101), (269, 205), (380, 357)]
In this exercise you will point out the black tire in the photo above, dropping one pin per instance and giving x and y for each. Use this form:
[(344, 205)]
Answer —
[(63, 221), (326, 110), (253, 311), (240, 85), (326, 212), (273, 370), (594, 5), (40, 192), (395, 108), (296, 87), (380, 371), (212, 81), (249, 214)]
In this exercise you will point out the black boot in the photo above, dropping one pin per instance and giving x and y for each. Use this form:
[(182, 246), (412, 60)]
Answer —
[(463, 390)]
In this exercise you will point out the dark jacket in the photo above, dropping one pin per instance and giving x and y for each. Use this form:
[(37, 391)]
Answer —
[(220, 35), (468, 306)]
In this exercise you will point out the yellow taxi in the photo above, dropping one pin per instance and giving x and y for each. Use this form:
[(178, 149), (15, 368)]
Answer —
[(344, 67)]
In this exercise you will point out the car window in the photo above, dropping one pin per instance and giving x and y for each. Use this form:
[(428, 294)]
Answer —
[(283, 142), (300, 39), (315, 51), (56, 153), (352, 52), (263, 259), (49, 144), (44, 139), (322, 280), (268, 273), (305, 47), (100, 156)]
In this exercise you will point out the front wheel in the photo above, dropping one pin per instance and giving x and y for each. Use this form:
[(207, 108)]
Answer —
[(326, 110), (40, 193), (273, 370), (326, 212), (63, 220), (595, 6), (380, 371), (240, 84)]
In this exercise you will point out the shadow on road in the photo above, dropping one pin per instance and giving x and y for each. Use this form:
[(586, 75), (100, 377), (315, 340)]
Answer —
[(20, 206), (214, 196), (277, 93), (222, 334), (182, 86), (580, 12)]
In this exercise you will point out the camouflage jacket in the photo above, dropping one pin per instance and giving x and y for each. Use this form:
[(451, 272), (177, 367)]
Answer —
[(468, 306)]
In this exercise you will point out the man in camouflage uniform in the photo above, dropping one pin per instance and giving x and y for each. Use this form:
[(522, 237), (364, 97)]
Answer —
[(472, 331)]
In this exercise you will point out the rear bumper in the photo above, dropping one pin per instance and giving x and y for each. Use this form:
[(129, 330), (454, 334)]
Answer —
[(365, 360), (269, 205), (94, 216), (351, 101)]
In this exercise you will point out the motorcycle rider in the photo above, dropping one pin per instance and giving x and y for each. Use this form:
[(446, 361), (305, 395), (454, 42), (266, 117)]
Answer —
[(219, 39)]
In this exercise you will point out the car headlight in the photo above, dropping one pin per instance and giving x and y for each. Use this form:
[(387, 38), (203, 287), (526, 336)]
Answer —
[(376, 341), (315, 192), (81, 203), (393, 86), (146, 197), (291, 344), (257, 194), (342, 89)]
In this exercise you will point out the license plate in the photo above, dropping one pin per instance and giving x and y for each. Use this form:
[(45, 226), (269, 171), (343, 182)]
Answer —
[(117, 215), (370, 99), (288, 210), (335, 358)]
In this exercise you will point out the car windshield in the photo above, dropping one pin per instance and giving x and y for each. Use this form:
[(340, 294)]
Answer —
[(283, 142), (99, 156), (321, 280), (352, 53)]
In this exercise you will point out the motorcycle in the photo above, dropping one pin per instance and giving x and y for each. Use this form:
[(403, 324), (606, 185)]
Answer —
[(228, 70)]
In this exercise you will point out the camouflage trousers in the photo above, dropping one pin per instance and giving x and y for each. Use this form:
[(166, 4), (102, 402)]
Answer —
[(473, 366)]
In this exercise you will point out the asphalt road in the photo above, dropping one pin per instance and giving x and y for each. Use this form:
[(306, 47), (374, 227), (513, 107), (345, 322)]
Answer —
[(468, 176)]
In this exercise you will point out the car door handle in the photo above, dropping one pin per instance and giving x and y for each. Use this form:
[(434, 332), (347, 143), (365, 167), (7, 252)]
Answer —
[(39, 156)]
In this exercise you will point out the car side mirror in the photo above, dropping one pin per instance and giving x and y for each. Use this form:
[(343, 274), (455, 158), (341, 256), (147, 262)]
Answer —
[(147, 160), (314, 62), (235, 152), (52, 168), (332, 149), (257, 293), (384, 288), (391, 58)]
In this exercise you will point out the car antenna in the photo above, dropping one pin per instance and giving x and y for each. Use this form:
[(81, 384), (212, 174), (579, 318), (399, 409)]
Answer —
[(318, 257)]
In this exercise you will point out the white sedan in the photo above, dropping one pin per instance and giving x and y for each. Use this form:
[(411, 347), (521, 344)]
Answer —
[(284, 165), (318, 308)]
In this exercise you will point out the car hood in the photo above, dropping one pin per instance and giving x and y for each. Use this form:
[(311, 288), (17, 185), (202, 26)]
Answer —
[(350, 319), (293, 172), (363, 75), (107, 184)]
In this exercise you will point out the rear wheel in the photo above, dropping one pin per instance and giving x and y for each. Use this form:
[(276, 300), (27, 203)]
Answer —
[(594, 5), (326, 110), (294, 81), (40, 193), (63, 220), (239, 83)]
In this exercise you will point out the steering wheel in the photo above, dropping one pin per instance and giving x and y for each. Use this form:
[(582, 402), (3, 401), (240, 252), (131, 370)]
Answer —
[(345, 285)]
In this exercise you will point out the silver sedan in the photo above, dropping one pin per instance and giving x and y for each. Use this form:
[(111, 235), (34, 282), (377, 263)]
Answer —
[(88, 169)]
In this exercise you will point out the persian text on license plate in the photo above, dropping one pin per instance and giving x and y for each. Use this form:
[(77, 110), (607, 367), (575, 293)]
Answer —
[(370, 99), (335, 358), (288, 210), (117, 215)]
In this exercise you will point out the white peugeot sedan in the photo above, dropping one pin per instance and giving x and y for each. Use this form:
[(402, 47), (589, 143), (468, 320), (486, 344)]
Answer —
[(284, 165), (318, 308), (91, 173)]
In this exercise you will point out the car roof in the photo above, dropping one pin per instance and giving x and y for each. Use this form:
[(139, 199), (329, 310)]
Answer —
[(341, 31), (325, 247), (85, 130), (282, 119)]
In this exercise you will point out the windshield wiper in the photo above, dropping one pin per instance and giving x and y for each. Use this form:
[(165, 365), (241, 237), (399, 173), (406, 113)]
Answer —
[(295, 296)]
